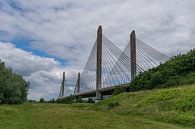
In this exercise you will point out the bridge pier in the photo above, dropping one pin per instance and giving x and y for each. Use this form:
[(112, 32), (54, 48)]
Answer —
[(133, 54), (99, 63)]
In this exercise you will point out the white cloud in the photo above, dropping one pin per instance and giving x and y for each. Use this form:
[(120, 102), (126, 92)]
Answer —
[(44, 74), (22, 60), (60, 25)]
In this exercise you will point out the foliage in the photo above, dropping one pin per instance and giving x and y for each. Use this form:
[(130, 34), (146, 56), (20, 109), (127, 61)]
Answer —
[(13, 88), (32, 101), (41, 100), (90, 100), (118, 90), (51, 101), (179, 70), (67, 100), (74, 99), (79, 99)]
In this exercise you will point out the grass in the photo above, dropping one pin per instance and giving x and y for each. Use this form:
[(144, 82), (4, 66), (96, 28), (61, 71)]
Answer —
[(172, 108), (59, 116), (172, 105)]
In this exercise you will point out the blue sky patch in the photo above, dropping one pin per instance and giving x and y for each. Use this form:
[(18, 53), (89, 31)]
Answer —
[(24, 44)]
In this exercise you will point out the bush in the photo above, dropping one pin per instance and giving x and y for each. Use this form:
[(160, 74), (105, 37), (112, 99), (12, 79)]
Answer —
[(119, 90), (67, 100), (177, 71)]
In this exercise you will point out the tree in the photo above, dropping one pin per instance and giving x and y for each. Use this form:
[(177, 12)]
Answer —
[(42, 100), (13, 88)]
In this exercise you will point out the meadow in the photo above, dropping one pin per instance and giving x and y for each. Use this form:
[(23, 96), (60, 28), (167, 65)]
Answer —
[(171, 108)]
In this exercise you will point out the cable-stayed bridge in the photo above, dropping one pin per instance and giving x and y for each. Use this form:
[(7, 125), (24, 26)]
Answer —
[(108, 67)]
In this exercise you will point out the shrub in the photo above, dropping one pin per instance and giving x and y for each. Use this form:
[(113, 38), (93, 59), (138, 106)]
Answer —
[(119, 90), (178, 70), (67, 100)]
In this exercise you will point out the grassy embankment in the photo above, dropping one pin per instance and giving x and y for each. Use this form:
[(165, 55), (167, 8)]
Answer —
[(172, 105), (172, 108)]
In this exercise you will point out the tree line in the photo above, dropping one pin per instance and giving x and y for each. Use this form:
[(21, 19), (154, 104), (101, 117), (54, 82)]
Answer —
[(13, 88)]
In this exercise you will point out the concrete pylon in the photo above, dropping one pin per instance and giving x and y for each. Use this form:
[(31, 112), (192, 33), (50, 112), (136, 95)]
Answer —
[(99, 63), (78, 83), (61, 95), (133, 54), (63, 84)]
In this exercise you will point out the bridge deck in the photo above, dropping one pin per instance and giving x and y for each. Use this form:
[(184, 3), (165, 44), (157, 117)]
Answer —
[(103, 91)]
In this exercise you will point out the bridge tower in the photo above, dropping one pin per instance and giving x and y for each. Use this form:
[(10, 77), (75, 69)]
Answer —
[(61, 95), (78, 83), (133, 54), (99, 63)]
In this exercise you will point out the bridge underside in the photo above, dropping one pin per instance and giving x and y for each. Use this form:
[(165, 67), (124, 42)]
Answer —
[(103, 91)]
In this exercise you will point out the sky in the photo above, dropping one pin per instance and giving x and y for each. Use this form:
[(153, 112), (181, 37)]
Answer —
[(40, 39)]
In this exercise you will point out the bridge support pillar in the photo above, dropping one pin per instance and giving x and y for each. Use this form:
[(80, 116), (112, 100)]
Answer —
[(78, 83), (133, 54), (61, 95), (99, 64)]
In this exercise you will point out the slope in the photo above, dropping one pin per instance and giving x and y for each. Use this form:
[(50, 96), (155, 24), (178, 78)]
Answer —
[(172, 105)]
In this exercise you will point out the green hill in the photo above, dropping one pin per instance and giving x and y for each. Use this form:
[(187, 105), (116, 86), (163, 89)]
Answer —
[(171, 105), (179, 70)]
